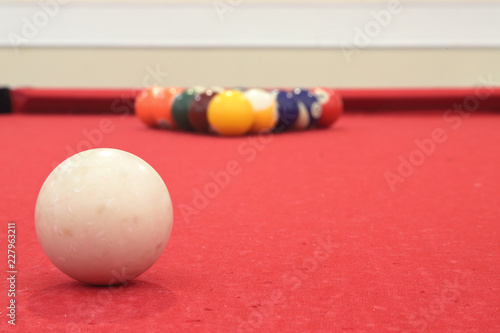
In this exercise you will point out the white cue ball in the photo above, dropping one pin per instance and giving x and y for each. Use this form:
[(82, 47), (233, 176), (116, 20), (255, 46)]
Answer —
[(103, 216)]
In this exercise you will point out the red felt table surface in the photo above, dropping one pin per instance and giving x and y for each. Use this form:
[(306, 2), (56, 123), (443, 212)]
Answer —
[(309, 236)]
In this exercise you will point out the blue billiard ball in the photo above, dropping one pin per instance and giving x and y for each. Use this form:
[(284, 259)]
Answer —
[(288, 110)]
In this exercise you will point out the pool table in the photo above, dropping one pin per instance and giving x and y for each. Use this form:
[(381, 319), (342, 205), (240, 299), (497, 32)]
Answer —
[(388, 221)]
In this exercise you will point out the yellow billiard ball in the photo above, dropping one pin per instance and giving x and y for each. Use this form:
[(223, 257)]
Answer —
[(230, 113)]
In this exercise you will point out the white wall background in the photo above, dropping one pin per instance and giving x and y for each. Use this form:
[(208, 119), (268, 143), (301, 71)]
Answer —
[(239, 23), (252, 43)]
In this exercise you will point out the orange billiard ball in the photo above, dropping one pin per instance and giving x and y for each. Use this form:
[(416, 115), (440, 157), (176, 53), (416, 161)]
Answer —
[(163, 113), (150, 102)]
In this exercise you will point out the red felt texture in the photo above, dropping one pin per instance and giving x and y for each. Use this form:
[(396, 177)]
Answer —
[(307, 236)]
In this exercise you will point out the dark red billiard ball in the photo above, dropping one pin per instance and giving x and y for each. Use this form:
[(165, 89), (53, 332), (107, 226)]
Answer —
[(197, 112)]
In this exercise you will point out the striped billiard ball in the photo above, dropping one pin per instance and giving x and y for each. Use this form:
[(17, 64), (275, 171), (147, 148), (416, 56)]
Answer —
[(163, 116), (332, 106), (309, 108), (265, 110)]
